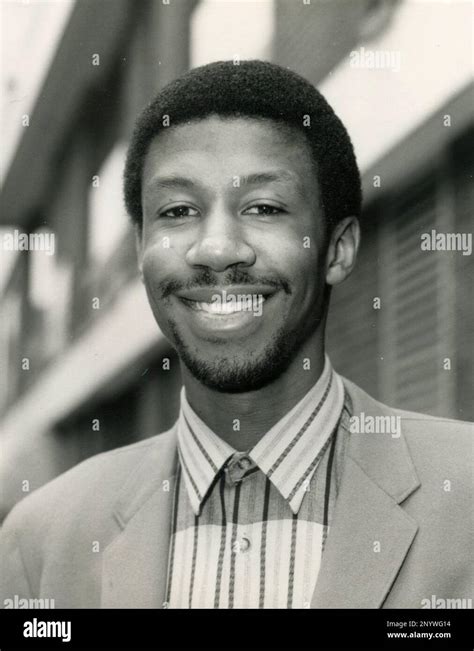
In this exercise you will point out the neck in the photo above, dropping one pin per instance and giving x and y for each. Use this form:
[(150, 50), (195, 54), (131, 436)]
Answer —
[(242, 419)]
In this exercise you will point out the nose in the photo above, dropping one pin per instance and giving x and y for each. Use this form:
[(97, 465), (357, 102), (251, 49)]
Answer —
[(220, 243)]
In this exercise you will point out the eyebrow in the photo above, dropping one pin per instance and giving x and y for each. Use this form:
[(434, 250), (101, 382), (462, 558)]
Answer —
[(171, 182), (269, 177), (257, 178)]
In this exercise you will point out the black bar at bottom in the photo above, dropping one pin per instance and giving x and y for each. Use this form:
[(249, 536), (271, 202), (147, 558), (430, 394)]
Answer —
[(235, 629)]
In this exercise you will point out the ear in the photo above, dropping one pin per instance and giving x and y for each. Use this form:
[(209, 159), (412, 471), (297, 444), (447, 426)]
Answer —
[(139, 248), (342, 251)]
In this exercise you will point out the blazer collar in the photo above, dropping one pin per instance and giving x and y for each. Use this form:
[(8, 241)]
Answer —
[(135, 563), (151, 476), (370, 534), (384, 458)]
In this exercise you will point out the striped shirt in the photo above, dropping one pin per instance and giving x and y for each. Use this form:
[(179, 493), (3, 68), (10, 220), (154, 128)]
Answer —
[(249, 528)]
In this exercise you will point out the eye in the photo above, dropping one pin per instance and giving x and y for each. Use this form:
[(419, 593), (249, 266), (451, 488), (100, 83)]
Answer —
[(176, 212), (263, 209)]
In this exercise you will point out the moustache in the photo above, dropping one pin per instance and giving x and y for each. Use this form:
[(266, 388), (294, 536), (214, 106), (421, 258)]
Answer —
[(207, 278)]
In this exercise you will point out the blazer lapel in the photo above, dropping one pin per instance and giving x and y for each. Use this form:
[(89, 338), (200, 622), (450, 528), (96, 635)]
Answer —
[(135, 563), (370, 534)]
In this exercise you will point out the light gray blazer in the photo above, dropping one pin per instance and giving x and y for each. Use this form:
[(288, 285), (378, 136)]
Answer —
[(98, 535)]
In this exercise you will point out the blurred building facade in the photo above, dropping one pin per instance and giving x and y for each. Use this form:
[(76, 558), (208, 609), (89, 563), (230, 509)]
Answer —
[(86, 368)]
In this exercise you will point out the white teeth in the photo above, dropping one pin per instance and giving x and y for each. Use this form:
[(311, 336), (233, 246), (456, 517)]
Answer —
[(222, 308)]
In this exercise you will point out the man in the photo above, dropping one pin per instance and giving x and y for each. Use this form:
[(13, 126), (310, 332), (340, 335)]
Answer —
[(245, 193)]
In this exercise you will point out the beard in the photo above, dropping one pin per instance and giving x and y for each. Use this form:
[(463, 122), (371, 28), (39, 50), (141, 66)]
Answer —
[(248, 371)]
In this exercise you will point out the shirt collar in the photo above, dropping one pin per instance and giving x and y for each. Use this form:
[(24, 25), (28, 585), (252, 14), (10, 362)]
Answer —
[(288, 454)]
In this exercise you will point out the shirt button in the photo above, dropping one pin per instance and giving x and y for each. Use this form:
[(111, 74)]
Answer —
[(241, 545), (244, 544), (237, 467), (244, 463)]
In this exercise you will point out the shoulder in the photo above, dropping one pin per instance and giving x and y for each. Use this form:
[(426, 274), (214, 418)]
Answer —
[(437, 445), (441, 448), (96, 481), (414, 423)]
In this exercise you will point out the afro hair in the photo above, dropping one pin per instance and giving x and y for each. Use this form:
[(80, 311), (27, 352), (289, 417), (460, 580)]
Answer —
[(252, 89)]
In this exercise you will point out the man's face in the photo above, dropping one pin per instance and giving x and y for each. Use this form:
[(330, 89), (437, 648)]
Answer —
[(232, 247)]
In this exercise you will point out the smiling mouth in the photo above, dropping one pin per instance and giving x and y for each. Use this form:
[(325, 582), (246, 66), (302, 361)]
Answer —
[(227, 311)]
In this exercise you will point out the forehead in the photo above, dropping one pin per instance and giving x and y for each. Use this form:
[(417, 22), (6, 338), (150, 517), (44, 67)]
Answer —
[(230, 146)]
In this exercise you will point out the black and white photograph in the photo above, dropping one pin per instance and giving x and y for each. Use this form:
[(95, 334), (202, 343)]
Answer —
[(236, 324)]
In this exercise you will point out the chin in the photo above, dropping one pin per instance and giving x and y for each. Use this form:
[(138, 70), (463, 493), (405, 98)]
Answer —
[(226, 377), (241, 372)]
